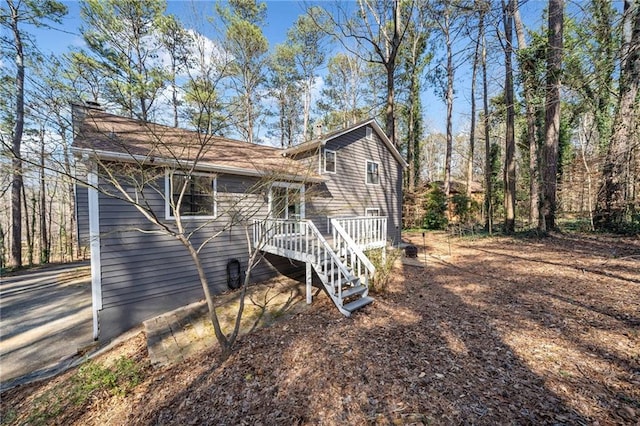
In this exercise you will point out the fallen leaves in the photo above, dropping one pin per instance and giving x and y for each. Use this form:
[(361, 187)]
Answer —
[(502, 330)]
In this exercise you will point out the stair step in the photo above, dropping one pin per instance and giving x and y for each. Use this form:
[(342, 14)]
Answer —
[(337, 274), (351, 291), (347, 281), (357, 304)]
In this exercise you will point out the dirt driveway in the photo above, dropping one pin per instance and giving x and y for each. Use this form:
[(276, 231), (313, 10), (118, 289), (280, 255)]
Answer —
[(45, 317)]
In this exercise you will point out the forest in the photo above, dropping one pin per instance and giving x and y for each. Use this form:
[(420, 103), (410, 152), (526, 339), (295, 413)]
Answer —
[(552, 138)]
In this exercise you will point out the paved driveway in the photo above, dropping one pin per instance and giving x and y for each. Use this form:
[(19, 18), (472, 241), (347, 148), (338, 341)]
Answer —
[(45, 317)]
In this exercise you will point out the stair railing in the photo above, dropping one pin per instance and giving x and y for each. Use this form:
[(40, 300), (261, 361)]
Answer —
[(302, 236), (326, 262), (356, 259)]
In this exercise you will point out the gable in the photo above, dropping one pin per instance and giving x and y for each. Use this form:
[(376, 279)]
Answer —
[(298, 150)]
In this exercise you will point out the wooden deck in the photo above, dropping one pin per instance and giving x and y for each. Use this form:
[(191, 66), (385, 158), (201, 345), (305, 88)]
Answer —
[(339, 260)]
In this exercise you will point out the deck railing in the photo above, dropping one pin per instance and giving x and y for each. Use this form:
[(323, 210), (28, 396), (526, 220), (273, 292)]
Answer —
[(301, 240), (283, 234), (366, 231)]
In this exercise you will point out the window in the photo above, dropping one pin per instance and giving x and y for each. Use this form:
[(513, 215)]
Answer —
[(373, 173), (329, 161), (369, 132), (287, 201), (372, 212), (199, 195)]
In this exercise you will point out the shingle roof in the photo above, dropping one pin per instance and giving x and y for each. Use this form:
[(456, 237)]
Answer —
[(103, 134)]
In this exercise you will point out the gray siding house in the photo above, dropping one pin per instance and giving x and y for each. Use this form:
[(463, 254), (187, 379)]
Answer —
[(319, 204), (362, 174)]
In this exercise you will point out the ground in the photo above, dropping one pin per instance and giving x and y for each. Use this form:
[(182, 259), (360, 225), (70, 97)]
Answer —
[(46, 317), (492, 331)]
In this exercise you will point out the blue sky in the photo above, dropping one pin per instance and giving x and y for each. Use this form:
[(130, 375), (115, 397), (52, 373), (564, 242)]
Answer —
[(280, 17)]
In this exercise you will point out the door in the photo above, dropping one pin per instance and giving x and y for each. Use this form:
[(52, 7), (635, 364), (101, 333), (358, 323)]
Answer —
[(287, 202)]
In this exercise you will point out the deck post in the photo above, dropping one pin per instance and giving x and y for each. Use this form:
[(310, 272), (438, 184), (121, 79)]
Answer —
[(309, 278)]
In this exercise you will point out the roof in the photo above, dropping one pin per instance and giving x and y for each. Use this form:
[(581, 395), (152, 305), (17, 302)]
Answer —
[(113, 137), (323, 139)]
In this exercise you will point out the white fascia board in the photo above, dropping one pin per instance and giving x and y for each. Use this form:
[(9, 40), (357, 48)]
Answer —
[(385, 139), (388, 143)]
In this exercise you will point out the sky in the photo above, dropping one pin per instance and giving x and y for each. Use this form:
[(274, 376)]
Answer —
[(280, 17)]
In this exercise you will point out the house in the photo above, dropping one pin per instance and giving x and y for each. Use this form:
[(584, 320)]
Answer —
[(317, 206)]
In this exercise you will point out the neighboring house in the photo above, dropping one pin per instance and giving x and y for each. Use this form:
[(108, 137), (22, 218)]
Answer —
[(233, 188)]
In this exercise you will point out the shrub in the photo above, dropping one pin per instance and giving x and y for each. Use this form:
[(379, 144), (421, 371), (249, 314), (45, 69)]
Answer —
[(435, 205), (383, 260), (464, 207)]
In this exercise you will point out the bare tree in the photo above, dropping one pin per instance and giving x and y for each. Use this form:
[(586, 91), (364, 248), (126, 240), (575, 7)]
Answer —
[(377, 29), (532, 128), (488, 190), (13, 17), (345, 94), (481, 8)]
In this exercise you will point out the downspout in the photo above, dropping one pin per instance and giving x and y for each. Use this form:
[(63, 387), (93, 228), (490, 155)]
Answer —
[(94, 239)]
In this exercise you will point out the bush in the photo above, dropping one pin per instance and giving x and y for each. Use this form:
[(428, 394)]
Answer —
[(464, 207), (435, 205), (383, 260)]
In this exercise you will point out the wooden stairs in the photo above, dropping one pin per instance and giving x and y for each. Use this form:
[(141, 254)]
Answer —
[(341, 265)]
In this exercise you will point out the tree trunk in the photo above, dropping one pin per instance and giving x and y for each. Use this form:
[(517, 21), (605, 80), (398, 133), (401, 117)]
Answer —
[(510, 142), (532, 130), (27, 223), (411, 175), (16, 161), (44, 235), (415, 110), (472, 131), (488, 192), (249, 112), (612, 199), (306, 111), (449, 100), (390, 65), (174, 93), (390, 111), (552, 117), (220, 337), (72, 244)]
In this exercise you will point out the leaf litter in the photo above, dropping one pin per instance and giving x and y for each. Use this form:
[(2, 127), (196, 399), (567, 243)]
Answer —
[(491, 331)]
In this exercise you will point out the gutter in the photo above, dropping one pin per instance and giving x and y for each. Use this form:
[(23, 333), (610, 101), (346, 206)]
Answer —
[(147, 160)]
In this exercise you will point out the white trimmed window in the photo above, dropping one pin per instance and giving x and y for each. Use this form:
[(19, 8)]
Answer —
[(372, 212), (373, 173), (369, 132), (330, 161), (199, 198)]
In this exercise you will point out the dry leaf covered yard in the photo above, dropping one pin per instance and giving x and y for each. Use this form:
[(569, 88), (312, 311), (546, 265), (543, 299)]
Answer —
[(500, 331)]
